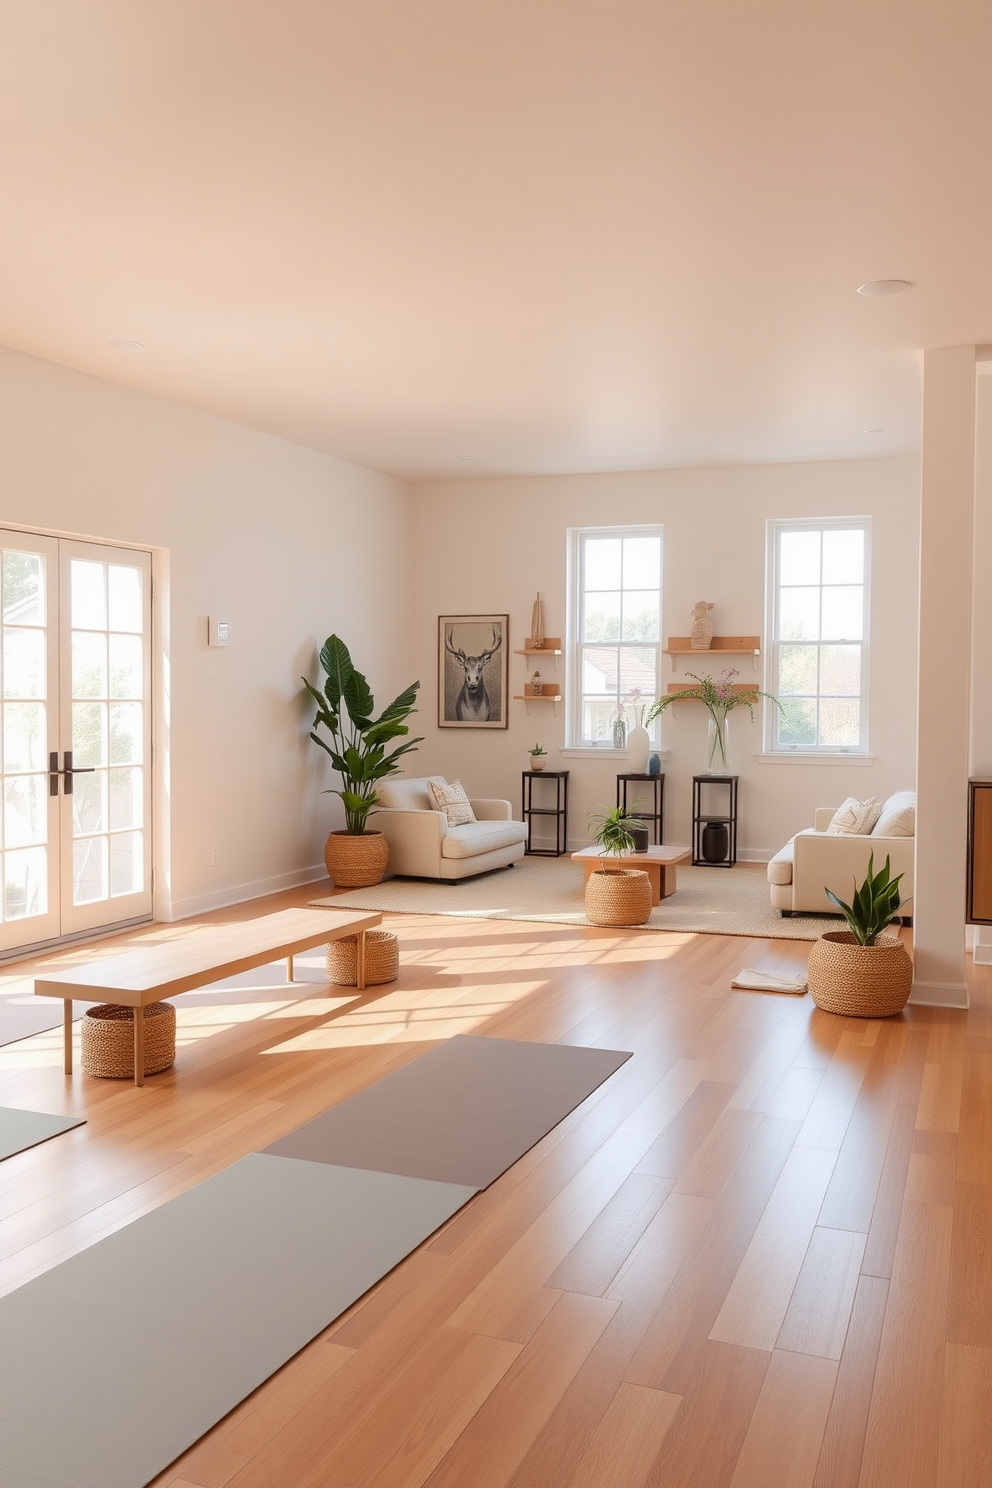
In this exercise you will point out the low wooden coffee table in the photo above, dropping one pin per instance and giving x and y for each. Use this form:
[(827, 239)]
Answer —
[(658, 863)]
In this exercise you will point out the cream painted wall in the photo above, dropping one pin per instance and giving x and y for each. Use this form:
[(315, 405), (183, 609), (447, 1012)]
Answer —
[(285, 543), (488, 546)]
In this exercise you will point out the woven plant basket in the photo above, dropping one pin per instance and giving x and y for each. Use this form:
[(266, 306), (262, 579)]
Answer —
[(108, 1040), (356, 861), (618, 898), (859, 981), (382, 959)]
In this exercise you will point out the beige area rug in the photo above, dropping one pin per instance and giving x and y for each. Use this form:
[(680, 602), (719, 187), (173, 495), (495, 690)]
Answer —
[(708, 901)]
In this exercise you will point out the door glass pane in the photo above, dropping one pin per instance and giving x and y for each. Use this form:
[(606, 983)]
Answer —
[(24, 736), (126, 668), (124, 590), (126, 873), (89, 664), (23, 586), (89, 596), (89, 734), (89, 869), (125, 733), (23, 663), (25, 883), (25, 810), (126, 799), (89, 803)]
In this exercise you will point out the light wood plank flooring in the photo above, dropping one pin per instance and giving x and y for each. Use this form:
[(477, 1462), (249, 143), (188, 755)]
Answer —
[(760, 1256)]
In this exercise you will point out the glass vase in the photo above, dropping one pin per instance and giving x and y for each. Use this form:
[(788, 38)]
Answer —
[(717, 747)]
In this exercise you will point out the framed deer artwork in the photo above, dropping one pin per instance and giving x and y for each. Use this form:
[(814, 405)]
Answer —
[(472, 671)]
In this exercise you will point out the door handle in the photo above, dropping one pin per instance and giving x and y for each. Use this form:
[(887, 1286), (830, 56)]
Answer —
[(67, 773)]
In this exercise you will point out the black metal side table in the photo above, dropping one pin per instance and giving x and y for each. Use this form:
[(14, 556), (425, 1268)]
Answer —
[(656, 816), (725, 841), (559, 811)]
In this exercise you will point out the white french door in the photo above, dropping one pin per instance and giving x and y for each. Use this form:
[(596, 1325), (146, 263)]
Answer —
[(75, 762)]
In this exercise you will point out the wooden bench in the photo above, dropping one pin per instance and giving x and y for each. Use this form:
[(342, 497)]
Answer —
[(195, 958)]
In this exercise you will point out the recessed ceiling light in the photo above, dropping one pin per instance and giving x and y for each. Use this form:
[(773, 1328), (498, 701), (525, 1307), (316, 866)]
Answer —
[(877, 288), (128, 345), (465, 459), (873, 431)]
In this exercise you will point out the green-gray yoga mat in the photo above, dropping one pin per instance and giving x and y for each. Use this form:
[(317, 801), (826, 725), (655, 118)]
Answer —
[(22, 1129)]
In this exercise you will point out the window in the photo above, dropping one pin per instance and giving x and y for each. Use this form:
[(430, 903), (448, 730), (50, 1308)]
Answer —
[(614, 627), (818, 629)]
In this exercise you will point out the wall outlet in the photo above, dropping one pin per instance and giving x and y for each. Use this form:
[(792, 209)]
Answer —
[(214, 856)]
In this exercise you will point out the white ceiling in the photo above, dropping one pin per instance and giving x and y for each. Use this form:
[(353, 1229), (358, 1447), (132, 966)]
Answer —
[(458, 237)]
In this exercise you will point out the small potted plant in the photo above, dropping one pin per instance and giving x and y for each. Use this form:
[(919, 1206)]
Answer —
[(861, 973), (538, 757), (615, 895), (356, 857)]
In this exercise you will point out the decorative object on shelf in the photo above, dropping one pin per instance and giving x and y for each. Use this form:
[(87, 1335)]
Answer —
[(638, 749), (654, 764), (716, 842), (472, 671), (536, 684), (717, 745), (701, 635), (357, 858), (721, 696), (861, 973), (537, 624), (538, 757), (616, 896), (619, 733)]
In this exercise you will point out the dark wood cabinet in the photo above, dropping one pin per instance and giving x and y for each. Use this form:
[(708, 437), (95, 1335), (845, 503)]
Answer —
[(980, 852)]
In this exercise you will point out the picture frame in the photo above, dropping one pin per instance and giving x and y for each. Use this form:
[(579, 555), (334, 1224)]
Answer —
[(473, 671)]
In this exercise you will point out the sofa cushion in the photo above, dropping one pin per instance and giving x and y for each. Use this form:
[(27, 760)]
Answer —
[(481, 837), (856, 818), (407, 794), (780, 866), (898, 818), (452, 800)]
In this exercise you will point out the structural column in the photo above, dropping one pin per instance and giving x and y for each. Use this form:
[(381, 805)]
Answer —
[(946, 520)]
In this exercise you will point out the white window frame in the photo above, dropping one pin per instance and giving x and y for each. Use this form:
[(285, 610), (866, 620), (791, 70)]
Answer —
[(574, 621), (775, 527)]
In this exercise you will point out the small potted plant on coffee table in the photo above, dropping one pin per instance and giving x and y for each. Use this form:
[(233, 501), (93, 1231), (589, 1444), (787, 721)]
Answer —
[(538, 757), (615, 895), (861, 973)]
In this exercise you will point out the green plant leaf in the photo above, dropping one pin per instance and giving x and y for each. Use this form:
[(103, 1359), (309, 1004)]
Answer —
[(359, 700), (335, 659)]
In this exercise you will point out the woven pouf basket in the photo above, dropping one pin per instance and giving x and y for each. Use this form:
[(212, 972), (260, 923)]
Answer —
[(108, 1040), (382, 959), (618, 898), (859, 981), (356, 861)]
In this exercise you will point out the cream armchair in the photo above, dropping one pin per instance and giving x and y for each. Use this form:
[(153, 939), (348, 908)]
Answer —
[(422, 845), (816, 859)]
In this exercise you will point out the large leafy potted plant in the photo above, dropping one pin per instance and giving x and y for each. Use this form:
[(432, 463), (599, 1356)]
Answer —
[(615, 895), (860, 972), (357, 856)]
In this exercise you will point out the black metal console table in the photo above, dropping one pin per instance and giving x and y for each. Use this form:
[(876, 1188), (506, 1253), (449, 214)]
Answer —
[(559, 811)]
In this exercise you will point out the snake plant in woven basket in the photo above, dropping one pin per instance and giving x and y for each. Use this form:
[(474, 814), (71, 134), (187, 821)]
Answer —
[(876, 903)]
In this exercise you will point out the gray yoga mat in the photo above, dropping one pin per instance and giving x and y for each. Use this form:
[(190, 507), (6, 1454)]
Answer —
[(463, 1113), (21, 1129), (117, 1360)]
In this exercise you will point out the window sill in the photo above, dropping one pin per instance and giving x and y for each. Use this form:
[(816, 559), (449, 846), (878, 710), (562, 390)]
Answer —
[(798, 757), (610, 754)]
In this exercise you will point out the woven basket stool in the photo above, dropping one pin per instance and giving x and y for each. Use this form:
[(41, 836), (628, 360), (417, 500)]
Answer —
[(108, 1040), (382, 959), (622, 898)]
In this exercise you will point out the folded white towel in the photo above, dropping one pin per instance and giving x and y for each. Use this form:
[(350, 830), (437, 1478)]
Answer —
[(763, 981)]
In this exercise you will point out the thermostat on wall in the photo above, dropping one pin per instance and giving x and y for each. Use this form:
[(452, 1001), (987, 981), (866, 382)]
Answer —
[(218, 631)]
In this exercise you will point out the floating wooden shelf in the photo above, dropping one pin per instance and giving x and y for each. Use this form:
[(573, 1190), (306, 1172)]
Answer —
[(721, 646), (734, 687), (550, 690), (551, 647)]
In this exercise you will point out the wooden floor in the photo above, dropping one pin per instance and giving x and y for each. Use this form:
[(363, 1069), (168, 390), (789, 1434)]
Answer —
[(760, 1256)]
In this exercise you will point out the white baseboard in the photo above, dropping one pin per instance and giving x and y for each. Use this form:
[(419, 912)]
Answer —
[(184, 909), (939, 994)]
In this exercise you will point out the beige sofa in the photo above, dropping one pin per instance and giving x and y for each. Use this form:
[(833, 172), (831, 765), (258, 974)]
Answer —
[(816, 859), (422, 845)]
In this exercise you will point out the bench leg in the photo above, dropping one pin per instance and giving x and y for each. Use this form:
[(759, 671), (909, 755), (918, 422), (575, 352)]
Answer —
[(360, 962), (289, 968), (139, 1045), (67, 1035)]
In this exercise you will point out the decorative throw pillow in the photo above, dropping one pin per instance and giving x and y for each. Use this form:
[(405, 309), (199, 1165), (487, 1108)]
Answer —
[(855, 818), (452, 800), (898, 818)]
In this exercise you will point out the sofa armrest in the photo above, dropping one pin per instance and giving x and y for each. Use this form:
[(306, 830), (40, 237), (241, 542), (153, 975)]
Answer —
[(414, 839), (486, 810), (822, 817)]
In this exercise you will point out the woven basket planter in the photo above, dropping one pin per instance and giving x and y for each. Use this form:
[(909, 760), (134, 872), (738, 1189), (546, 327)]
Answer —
[(618, 898), (382, 959), (356, 861), (108, 1040), (859, 981)]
